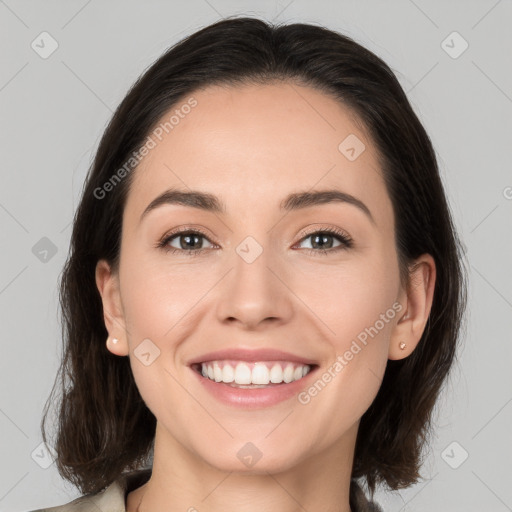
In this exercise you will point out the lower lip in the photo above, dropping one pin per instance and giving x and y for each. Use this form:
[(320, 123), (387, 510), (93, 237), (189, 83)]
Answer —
[(252, 398)]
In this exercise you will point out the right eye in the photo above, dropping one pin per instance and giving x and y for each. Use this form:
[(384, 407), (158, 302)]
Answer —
[(188, 236)]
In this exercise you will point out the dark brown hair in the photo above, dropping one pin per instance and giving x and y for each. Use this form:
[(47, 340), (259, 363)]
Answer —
[(104, 427)]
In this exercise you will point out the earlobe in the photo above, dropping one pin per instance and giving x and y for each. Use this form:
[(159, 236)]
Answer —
[(117, 347), (108, 286), (418, 303)]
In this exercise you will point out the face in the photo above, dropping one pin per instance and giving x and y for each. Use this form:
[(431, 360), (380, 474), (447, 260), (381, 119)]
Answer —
[(265, 275)]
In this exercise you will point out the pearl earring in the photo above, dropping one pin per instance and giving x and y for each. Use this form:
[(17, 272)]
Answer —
[(114, 341), (402, 345)]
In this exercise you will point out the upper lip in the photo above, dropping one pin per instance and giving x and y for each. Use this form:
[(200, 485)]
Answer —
[(251, 356)]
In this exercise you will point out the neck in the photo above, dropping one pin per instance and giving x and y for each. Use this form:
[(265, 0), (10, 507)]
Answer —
[(182, 481)]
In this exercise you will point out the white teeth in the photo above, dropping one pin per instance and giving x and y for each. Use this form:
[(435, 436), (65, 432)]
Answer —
[(217, 372), (242, 374), (288, 374), (258, 373), (276, 374), (228, 374)]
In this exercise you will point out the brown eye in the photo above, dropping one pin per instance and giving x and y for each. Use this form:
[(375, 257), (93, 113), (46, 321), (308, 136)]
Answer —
[(188, 242), (322, 241)]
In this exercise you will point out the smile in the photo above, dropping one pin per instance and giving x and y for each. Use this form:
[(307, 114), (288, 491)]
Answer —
[(250, 374), (257, 384)]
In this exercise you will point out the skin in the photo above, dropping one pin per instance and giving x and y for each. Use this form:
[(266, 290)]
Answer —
[(233, 144)]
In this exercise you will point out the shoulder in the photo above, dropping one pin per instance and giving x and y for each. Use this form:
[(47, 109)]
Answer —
[(110, 499)]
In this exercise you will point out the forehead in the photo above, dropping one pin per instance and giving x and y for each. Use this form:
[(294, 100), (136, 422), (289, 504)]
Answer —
[(254, 144)]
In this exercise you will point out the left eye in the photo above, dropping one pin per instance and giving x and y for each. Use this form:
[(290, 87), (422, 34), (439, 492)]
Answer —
[(319, 241)]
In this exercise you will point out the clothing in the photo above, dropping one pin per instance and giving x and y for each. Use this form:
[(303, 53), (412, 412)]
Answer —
[(113, 498)]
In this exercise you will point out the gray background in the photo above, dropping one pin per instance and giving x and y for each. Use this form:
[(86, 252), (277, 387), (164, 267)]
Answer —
[(54, 110)]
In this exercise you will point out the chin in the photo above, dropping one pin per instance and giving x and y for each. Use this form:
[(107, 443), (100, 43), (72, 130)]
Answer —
[(253, 459)]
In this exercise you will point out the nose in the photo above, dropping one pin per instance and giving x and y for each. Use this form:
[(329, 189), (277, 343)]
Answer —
[(254, 293)]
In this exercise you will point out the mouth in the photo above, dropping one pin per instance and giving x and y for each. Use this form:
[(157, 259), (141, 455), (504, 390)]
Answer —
[(252, 375), (252, 379), (253, 385)]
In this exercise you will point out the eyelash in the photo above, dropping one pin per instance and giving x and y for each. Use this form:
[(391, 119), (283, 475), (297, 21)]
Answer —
[(345, 239)]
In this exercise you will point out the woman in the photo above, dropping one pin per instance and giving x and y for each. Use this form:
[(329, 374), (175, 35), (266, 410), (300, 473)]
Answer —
[(300, 351)]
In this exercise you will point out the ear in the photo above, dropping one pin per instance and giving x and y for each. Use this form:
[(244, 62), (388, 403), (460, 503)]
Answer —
[(108, 286), (417, 301)]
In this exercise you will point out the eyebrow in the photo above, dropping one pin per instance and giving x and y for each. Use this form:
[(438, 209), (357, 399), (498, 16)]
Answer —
[(295, 201)]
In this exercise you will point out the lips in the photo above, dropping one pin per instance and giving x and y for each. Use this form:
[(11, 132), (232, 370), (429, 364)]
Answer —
[(287, 374)]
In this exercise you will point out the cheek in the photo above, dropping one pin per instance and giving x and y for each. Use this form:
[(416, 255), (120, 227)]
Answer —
[(351, 295), (367, 311), (359, 308), (157, 294), (158, 302), (351, 378)]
